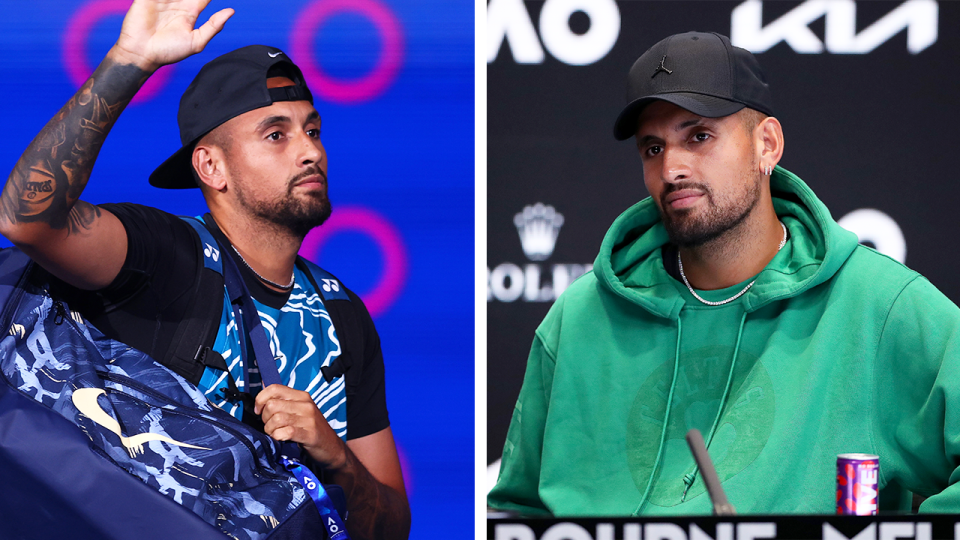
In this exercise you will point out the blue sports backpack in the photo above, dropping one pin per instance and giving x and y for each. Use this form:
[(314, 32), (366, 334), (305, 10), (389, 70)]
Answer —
[(97, 440)]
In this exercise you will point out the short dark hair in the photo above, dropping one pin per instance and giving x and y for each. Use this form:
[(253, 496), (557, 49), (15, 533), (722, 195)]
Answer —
[(751, 118)]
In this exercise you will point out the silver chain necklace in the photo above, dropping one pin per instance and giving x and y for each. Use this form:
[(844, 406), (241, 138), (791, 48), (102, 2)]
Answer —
[(286, 287), (728, 300)]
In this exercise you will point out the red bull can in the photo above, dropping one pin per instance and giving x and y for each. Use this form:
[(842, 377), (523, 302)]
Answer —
[(858, 478)]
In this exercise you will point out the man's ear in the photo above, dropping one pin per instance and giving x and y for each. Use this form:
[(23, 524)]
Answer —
[(768, 137), (208, 162)]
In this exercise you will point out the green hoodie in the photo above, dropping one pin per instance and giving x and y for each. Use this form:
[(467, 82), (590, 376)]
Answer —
[(835, 349)]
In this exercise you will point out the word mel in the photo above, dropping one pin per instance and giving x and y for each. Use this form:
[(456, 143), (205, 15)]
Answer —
[(724, 531)]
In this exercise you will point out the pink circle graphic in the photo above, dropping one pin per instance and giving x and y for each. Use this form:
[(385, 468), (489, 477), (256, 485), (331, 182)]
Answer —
[(350, 91), (364, 220), (74, 54)]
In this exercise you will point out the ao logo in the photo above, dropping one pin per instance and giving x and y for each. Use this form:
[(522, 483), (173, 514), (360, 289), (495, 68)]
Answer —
[(508, 20), (918, 17)]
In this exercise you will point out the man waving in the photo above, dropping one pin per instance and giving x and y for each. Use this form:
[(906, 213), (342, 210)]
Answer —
[(251, 144)]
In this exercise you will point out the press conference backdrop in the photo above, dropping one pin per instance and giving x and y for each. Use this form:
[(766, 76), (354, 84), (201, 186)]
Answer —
[(391, 80), (867, 93)]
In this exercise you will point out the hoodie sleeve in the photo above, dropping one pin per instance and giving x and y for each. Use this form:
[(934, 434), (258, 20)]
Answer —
[(917, 408), (517, 488)]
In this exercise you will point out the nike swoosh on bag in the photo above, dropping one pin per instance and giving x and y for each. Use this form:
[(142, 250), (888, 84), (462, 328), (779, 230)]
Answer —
[(85, 400)]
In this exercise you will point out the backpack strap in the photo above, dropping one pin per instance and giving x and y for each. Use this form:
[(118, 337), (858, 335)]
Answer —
[(195, 333), (197, 330), (211, 248), (343, 314)]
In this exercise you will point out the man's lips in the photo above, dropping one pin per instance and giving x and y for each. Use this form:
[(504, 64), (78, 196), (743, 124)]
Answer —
[(682, 198), (312, 181)]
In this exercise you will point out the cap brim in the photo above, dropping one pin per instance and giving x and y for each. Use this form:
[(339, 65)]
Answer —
[(699, 104), (176, 171)]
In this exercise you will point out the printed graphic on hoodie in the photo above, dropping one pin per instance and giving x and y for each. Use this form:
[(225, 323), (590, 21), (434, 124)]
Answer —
[(741, 433)]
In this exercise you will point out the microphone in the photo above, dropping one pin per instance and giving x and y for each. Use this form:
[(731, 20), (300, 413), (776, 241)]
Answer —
[(721, 506)]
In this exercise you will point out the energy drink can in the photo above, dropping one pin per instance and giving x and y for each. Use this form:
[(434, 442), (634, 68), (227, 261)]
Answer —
[(858, 477)]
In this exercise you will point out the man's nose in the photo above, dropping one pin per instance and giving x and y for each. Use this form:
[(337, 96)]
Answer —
[(311, 150), (675, 165)]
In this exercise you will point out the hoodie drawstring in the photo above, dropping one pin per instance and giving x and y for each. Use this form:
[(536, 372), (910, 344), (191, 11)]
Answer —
[(690, 478), (666, 420)]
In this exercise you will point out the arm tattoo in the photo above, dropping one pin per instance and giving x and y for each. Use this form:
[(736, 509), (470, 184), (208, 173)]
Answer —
[(377, 511), (46, 183)]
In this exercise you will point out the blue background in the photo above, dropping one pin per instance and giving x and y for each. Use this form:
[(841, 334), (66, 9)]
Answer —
[(407, 154)]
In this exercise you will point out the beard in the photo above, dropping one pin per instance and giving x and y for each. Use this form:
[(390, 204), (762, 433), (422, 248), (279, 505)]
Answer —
[(693, 227), (299, 215)]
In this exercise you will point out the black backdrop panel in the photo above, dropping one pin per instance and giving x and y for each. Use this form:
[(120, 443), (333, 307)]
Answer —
[(869, 130)]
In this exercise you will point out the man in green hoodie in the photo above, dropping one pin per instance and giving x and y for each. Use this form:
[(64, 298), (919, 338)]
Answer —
[(730, 301)]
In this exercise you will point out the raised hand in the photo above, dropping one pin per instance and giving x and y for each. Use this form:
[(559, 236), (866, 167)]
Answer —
[(39, 207), (159, 32)]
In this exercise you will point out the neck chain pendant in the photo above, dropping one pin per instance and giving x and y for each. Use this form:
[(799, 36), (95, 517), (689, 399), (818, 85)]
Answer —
[(284, 288), (732, 298)]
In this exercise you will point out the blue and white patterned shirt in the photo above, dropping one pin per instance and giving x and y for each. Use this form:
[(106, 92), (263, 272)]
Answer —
[(302, 339)]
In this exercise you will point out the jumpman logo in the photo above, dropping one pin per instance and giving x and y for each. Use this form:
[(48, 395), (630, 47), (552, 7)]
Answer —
[(662, 68)]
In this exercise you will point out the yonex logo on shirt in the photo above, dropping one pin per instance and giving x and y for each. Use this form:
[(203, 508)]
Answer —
[(211, 252), (330, 285)]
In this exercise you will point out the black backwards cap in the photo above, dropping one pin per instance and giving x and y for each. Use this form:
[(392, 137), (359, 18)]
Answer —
[(226, 87), (702, 73)]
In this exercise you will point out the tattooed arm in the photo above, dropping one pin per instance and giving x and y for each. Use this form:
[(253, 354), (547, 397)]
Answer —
[(40, 210), (371, 475)]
